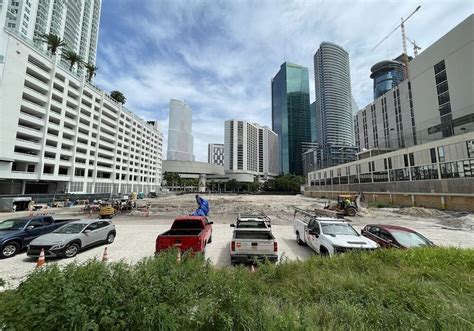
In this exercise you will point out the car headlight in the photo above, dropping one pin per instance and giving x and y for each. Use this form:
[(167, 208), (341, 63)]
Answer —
[(58, 246)]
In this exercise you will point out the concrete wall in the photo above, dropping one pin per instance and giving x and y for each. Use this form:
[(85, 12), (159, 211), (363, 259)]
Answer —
[(427, 200)]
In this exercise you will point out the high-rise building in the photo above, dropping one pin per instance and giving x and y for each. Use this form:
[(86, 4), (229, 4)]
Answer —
[(434, 103), (215, 154), (291, 116), (59, 133), (180, 139), (75, 21), (251, 151), (334, 105), (386, 75)]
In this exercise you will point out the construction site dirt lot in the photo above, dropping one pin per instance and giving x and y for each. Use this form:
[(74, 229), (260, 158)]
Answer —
[(137, 232)]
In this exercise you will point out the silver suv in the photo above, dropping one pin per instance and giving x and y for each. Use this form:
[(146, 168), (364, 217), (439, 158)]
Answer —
[(69, 239)]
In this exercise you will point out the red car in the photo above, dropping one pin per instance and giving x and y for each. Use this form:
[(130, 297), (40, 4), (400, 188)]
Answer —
[(395, 236), (187, 232)]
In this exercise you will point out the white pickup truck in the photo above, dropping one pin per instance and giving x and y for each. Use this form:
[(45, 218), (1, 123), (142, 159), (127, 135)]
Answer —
[(329, 236), (253, 240)]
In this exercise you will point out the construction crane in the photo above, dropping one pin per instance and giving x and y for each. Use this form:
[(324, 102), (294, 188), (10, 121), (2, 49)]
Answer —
[(404, 38), (415, 46)]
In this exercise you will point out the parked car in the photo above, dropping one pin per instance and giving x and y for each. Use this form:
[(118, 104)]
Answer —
[(252, 240), (73, 237), (17, 233), (395, 236), (186, 233), (329, 236)]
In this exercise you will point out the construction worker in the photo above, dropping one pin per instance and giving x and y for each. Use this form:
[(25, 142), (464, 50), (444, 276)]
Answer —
[(347, 202)]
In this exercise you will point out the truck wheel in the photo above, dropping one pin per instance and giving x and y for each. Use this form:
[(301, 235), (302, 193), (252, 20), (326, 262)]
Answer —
[(323, 252), (351, 211), (71, 250), (10, 249), (298, 239), (110, 237)]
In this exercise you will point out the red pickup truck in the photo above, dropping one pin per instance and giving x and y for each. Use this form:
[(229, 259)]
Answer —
[(187, 232)]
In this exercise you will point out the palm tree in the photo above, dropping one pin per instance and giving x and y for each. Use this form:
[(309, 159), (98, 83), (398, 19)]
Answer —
[(91, 71), (53, 41), (72, 57), (118, 96)]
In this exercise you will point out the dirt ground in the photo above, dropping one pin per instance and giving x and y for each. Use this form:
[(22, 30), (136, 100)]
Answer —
[(136, 232)]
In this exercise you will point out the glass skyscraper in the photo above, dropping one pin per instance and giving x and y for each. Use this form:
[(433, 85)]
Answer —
[(386, 75), (291, 117)]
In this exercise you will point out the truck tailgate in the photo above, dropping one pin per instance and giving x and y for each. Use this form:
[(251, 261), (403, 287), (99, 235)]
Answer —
[(182, 242), (253, 242)]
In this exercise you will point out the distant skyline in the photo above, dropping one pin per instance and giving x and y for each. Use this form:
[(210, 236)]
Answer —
[(220, 56)]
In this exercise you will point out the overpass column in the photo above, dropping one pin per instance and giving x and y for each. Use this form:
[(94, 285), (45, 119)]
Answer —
[(202, 183)]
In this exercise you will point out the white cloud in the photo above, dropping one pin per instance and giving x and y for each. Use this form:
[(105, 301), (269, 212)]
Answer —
[(220, 56)]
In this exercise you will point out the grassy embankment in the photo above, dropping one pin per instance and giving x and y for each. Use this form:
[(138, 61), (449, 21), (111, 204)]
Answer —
[(425, 289)]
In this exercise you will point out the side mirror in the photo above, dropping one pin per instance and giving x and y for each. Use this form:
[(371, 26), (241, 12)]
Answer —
[(30, 227), (87, 231), (211, 222), (232, 225)]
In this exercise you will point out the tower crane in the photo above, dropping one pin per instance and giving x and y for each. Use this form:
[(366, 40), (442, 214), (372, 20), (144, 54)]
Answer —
[(404, 38), (416, 48)]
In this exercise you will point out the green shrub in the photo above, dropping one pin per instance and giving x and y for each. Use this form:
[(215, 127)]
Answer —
[(422, 289), (380, 204)]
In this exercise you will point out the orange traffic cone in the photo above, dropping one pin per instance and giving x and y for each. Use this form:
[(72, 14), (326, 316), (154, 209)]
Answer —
[(104, 256), (41, 260)]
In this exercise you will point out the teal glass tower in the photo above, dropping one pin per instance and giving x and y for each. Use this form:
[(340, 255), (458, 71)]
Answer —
[(291, 116)]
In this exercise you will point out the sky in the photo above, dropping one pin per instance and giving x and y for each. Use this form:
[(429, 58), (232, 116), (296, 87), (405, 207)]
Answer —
[(220, 56)]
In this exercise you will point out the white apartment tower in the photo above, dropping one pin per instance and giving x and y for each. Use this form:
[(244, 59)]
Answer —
[(75, 21), (215, 154), (59, 133), (251, 150)]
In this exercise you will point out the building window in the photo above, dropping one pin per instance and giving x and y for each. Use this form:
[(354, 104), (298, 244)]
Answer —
[(470, 148), (405, 159), (424, 172), (433, 155), (412, 159), (441, 154)]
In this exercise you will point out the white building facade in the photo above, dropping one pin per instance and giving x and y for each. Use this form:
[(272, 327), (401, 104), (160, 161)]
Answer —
[(59, 133), (436, 102), (215, 154), (75, 21), (180, 139), (251, 151)]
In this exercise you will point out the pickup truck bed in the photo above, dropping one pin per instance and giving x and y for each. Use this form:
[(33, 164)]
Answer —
[(186, 233), (248, 246)]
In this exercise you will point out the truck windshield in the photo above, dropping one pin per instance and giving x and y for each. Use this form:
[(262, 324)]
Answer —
[(71, 228), (338, 229), (187, 224), (410, 239), (13, 224)]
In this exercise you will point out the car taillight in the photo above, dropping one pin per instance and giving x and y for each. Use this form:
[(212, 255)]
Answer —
[(232, 246), (275, 246)]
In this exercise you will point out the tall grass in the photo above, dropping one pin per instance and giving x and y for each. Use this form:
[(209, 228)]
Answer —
[(423, 289)]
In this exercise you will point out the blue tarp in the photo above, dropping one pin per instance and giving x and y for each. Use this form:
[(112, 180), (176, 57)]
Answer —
[(203, 208)]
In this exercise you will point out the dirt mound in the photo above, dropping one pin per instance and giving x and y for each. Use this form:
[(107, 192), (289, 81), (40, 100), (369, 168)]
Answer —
[(422, 212)]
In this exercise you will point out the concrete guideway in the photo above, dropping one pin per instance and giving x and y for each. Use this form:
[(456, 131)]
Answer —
[(202, 169)]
